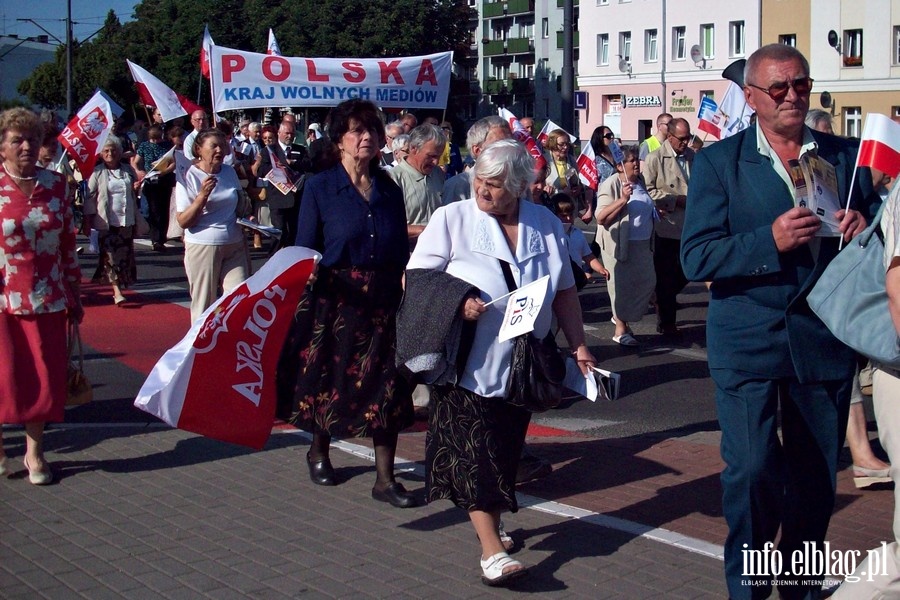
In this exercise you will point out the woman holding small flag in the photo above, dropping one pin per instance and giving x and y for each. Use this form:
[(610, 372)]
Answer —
[(39, 289), (493, 243)]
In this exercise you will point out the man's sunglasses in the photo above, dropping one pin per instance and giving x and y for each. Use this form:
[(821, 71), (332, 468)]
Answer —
[(779, 91)]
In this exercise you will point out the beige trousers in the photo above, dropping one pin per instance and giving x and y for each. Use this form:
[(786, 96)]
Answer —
[(210, 268), (879, 572)]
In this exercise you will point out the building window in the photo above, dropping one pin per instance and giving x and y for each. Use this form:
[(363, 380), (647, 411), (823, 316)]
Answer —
[(711, 94), (603, 49), (650, 52), (897, 45), (708, 41), (788, 39), (545, 28), (678, 46), (895, 112), (602, 2), (852, 121), (736, 39), (853, 48), (625, 45)]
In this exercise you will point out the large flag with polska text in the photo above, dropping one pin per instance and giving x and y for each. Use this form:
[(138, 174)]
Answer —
[(86, 133), (219, 380), (587, 166)]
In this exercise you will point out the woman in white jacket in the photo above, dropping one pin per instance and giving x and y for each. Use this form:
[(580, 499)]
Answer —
[(475, 436)]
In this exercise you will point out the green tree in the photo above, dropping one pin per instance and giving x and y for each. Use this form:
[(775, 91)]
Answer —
[(165, 38)]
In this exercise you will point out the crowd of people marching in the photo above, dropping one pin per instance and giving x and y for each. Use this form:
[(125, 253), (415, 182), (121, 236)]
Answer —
[(403, 222)]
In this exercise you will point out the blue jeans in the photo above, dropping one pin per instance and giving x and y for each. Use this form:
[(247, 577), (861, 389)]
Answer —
[(770, 482)]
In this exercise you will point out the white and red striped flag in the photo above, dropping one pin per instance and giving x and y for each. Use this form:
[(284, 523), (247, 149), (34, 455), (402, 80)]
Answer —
[(154, 92), (587, 166), (551, 126), (205, 49), (708, 117), (521, 134), (880, 145), (85, 134), (219, 381), (272, 48)]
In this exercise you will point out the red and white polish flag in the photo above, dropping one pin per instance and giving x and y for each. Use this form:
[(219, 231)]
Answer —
[(219, 381), (551, 126), (520, 133), (272, 48), (879, 146), (85, 134), (587, 166), (204, 52), (154, 92)]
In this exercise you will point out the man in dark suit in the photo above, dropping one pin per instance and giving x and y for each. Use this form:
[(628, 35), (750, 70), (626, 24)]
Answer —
[(746, 232), (281, 206), (667, 171)]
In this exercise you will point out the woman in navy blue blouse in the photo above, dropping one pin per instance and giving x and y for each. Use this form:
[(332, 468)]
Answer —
[(336, 376)]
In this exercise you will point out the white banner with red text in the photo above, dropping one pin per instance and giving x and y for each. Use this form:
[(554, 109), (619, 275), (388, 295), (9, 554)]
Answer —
[(250, 80), (219, 380)]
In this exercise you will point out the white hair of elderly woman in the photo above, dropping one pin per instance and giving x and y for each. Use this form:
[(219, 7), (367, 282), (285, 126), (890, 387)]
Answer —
[(509, 161)]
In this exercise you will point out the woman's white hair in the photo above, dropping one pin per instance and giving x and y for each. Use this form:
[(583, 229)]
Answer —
[(509, 161), (114, 142)]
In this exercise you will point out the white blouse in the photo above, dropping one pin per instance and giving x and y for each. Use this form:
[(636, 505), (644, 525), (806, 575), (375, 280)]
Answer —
[(468, 244)]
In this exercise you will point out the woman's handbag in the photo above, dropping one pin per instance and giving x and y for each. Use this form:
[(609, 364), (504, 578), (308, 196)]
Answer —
[(851, 299), (536, 373), (78, 388), (537, 368)]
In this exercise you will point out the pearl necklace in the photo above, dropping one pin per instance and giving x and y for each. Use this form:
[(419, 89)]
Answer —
[(17, 177)]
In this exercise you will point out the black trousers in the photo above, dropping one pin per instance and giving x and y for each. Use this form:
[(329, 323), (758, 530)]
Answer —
[(284, 219), (670, 279), (158, 198)]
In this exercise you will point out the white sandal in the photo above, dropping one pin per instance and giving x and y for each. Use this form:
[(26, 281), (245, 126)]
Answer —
[(507, 540), (492, 570)]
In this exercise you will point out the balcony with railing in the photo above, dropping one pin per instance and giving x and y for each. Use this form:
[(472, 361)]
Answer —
[(491, 10), (493, 47), (559, 39), (514, 85), (519, 45)]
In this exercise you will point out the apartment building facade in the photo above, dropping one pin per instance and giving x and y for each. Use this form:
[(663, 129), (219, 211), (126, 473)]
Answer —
[(519, 49), (643, 57), (854, 51)]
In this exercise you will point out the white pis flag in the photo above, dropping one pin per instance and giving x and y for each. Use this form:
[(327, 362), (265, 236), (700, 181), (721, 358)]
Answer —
[(735, 110), (523, 307), (272, 48)]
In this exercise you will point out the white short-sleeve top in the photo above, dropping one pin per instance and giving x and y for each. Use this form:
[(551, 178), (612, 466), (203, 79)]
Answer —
[(468, 244)]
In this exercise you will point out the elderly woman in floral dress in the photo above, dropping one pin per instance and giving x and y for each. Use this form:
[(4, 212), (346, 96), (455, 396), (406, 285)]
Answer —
[(39, 289)]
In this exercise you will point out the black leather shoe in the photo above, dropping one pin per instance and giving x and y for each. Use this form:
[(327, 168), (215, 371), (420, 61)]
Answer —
[(395, 494), (320, 471)]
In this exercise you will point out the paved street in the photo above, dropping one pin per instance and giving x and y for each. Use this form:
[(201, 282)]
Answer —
[(632, 509)]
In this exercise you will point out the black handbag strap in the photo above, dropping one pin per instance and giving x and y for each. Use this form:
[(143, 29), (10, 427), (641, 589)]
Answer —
[(508, 276)]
